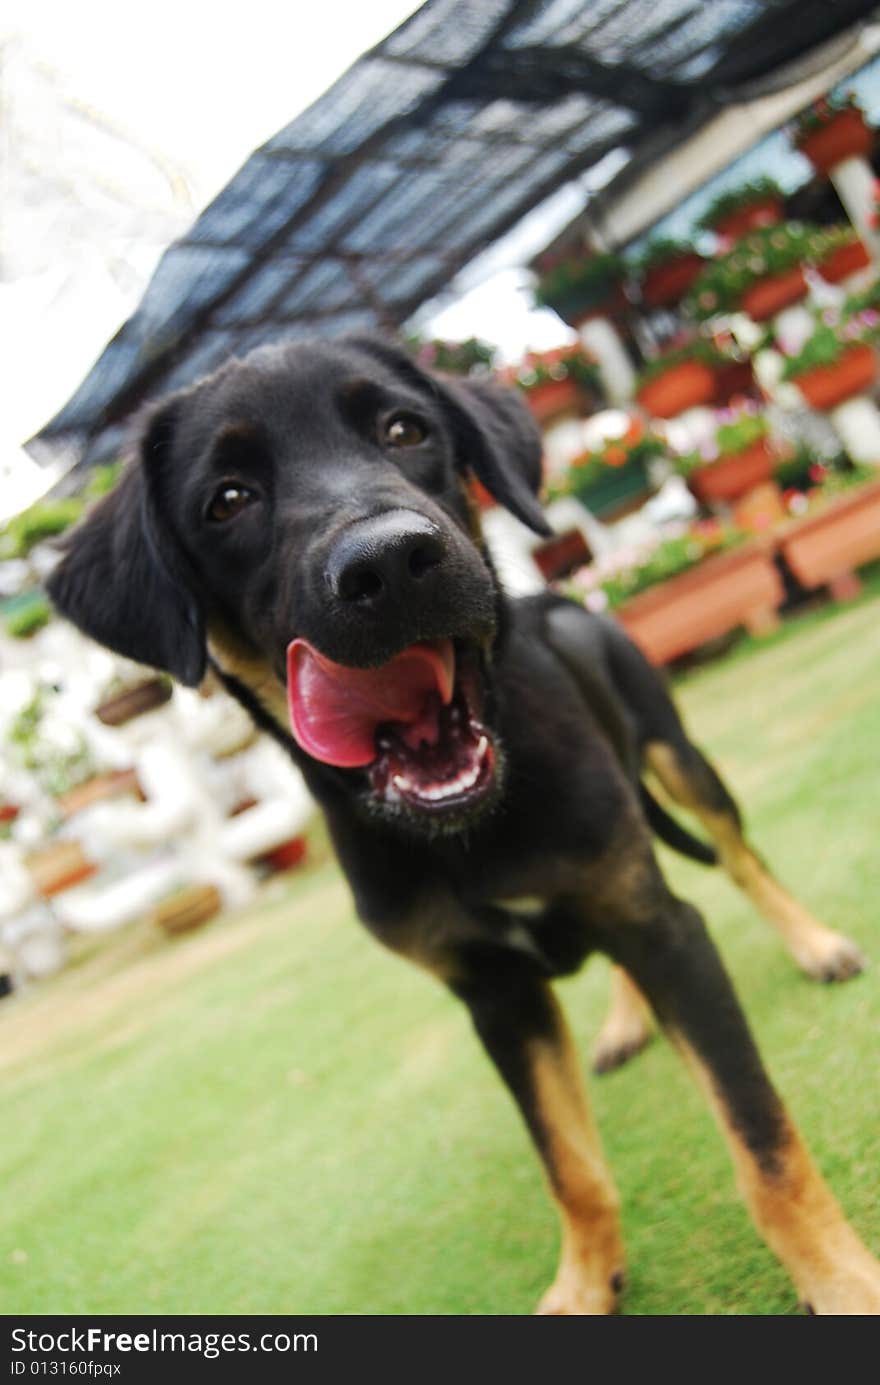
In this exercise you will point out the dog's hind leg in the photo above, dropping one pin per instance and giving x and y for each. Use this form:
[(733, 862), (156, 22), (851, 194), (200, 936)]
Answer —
[(689, 779), (523, 1030), (628, 1026), (666, 948)]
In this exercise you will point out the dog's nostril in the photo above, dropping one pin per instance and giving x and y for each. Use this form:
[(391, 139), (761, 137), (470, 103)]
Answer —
[(423, 558), (360, 584)]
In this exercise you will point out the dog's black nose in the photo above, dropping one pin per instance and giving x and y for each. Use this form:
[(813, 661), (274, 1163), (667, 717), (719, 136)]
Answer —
[(383, 557)]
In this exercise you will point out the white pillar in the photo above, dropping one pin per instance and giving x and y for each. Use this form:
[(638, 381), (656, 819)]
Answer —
[(854, 181), (857, 420), (793, 327), (602, 340)]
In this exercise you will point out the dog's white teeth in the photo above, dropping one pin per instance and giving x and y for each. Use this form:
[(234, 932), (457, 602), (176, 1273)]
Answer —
[(482, 747), (401, 782), (460, 784)]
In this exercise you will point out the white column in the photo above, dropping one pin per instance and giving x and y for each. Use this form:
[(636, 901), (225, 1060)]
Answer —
[(854, 181), (858, 423), (602, 340), (793, 327)]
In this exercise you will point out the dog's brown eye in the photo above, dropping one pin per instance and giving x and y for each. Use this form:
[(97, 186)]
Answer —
[(404, 431), (229, 501)]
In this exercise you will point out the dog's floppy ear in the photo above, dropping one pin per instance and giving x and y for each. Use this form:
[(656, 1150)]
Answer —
[(500, 442), (121, 579)]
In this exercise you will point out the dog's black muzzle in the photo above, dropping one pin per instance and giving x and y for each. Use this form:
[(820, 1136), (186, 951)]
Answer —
[(393, 579)]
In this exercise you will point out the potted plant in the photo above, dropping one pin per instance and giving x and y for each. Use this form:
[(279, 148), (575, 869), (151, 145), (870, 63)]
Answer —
[(845, 254), (470, 357), (689, 589), (678, 380), (608, 478), (831, 130), (582, 286), (826, 547), (761, 276), (748, 207), (666, 270), (559, 381), (740, 457), (833, 365)]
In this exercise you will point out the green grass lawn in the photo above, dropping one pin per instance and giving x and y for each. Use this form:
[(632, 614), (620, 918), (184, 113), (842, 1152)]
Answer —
[(275, 1116)]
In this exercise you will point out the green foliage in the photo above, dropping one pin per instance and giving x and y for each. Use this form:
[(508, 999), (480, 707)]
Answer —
[(102, 478), (661, 250), (27, 617), (761, 255), (571, 364), (743, 432), (57, 763), (867, 300), (669, 559), (590, 278), (735, 199), (824, 347), (42, 520), (470, 357)]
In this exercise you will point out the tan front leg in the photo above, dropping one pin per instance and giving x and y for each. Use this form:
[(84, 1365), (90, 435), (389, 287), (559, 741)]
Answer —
[(520, 1023)]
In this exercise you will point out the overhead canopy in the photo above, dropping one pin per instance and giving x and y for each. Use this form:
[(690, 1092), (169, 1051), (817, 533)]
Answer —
[(425, 152)]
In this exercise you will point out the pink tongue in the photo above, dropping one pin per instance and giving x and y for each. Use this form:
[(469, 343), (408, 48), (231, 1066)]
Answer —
[(335, 710)]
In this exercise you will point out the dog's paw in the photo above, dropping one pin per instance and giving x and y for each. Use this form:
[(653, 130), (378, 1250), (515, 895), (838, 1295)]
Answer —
[(571, 1295), (615, 1046), (831, 957)]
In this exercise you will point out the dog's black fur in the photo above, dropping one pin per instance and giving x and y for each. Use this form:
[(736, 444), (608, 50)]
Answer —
[(319, 491)]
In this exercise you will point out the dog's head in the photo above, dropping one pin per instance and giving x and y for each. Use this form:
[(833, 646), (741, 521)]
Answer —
[(302, 518)]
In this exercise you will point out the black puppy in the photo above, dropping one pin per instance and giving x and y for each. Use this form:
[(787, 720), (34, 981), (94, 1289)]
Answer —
[(301, 522)]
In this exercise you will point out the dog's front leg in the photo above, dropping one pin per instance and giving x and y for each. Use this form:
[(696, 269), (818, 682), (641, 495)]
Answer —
[(522, 1027), (676, 965)]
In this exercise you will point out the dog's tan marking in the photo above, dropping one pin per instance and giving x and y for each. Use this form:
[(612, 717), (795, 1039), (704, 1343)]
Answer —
[(591, 1262), (818, 951), (797, 1214), (251, 669), (628, 1026)]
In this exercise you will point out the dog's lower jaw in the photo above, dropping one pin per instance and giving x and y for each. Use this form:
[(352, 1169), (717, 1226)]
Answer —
[(455, 822)]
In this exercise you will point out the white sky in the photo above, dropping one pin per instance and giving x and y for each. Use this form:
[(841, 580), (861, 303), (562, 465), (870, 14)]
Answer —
[(205, 82), (200, 86)]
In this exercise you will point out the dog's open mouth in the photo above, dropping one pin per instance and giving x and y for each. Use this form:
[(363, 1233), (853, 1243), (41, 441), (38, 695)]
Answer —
[(413, 724)]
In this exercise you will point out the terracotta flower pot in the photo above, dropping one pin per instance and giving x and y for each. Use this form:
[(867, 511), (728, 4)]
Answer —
[(733, 378), (716, 596), (735, 225), (733, 476), (552, 398), (682, 386), (145, 697), (845, 136), (769, 296), (288, 855), (562, 554), (59, 867), (188, 908), (666, 283), (838, 539), (844, 261), (826, 386)]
